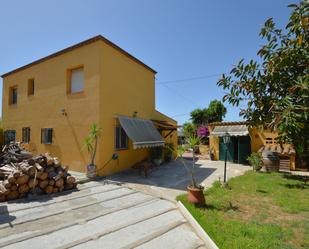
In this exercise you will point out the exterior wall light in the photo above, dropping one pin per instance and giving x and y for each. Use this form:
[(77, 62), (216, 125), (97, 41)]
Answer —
[(63, 112)]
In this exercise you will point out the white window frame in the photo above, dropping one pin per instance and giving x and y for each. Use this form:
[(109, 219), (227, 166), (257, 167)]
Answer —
[(77, 80)]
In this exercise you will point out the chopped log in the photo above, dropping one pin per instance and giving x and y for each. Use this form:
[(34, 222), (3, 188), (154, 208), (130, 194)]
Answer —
[(27, 169), (31, 161), (49, 159), (49, 189), (6, 184), (59, 183), (13, 187), (39, 167), (7, 168), (71, 179), (52, 174), (32, 183), (16, 174), (3, 190), (43, 184), (43, 176), (51, 182), (57, 177), (22, 179), (56, 162), (24, 188), (11, 178), (21, 173), (39, 159), (13, 195)]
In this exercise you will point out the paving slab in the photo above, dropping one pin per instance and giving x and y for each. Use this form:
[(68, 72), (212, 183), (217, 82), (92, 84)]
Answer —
[(171, 179), (97, 215)]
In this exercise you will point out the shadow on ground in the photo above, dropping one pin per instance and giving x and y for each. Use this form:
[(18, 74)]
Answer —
[(171, 175), (5, 217)]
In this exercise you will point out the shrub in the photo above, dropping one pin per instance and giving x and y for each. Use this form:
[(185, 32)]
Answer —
[(256, 161)]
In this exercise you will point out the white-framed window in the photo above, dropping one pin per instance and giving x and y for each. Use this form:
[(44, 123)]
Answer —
[(77, 80)]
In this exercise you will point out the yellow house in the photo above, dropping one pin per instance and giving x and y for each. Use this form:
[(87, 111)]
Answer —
[(50, 104), (244, 140)]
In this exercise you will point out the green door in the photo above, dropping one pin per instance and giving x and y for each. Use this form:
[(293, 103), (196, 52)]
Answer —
[(244, 149), (230, 150)]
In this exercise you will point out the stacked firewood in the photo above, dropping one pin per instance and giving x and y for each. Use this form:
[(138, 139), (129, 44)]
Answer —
[(21, 174)]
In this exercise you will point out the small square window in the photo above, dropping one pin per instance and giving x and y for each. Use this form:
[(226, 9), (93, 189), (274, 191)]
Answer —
[(26, 134), (9, 136), (121, 138), (76, 80), (13, 95), (46, 136), (30, 87)]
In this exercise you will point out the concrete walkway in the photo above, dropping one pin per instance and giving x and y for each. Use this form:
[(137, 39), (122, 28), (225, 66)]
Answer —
[(98, 215), (170, 180)]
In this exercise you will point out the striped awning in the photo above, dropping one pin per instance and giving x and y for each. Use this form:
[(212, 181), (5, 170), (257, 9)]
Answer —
[(232, 130), (142, 132)]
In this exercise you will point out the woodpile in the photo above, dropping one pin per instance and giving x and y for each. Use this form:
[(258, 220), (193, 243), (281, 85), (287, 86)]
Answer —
[(21, 174)]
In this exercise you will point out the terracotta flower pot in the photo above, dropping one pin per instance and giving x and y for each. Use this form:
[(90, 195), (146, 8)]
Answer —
[(196, 196)]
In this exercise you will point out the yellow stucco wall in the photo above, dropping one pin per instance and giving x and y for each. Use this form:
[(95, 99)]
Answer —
[(114, 85), (43, 109)]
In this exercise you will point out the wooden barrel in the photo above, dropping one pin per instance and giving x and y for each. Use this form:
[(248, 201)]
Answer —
[(271, 161)]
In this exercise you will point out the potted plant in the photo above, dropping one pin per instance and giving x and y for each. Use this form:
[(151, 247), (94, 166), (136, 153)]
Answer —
[(91, 144), (195, 191), (212, 154), (157, 155)]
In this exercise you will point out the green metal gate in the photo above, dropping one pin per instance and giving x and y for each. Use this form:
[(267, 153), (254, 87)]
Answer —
[(230, 150), (244, 149)]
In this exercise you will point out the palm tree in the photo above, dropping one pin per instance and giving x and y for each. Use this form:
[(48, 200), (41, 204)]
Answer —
[(193, 142), (91, 141)]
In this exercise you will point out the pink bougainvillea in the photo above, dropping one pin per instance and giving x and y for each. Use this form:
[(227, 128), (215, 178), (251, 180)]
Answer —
[(202, 131)]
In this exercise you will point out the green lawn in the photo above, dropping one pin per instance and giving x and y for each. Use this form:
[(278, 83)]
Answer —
[(259, 210)]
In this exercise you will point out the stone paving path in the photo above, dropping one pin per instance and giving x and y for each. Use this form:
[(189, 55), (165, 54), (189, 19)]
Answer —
[(171, 179), (98, 215)]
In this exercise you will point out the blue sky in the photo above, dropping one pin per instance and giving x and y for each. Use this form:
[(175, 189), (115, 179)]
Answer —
[(180, 39)]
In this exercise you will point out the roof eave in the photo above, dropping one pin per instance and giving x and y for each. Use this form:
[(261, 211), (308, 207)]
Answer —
[(81, 44)]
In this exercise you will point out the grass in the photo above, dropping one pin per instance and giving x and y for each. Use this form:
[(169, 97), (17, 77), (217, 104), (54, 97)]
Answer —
[(258, 210)]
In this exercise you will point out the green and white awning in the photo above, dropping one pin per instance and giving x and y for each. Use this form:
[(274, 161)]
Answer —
[(142, 132), (232, 130)]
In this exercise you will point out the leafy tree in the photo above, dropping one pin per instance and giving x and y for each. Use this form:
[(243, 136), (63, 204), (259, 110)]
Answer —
[(188, 129), (276, 91), (199, 116), (214, 113)]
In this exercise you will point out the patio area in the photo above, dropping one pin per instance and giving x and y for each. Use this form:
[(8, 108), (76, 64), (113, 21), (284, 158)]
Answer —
[(171, 179)]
